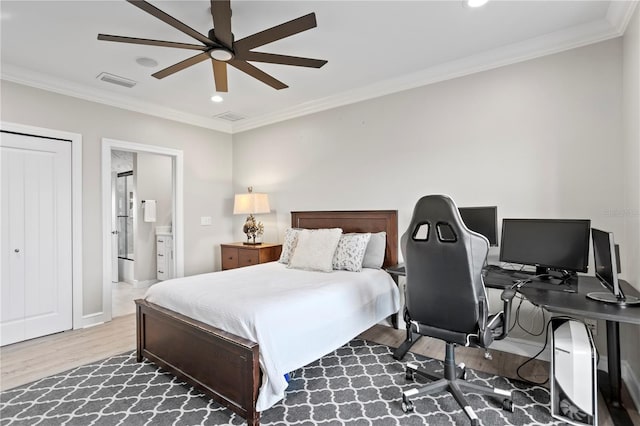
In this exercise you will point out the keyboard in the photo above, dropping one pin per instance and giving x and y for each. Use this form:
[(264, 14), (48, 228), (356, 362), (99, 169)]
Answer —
[(505, 278)]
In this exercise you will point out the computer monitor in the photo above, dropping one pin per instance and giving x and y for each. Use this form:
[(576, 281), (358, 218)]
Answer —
[(483, 220), (558, 244), (606, 264)]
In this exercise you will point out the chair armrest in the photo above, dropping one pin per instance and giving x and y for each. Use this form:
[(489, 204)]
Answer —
[(507, 297)]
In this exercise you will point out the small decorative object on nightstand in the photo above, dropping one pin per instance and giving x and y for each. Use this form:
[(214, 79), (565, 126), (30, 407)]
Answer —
[(237, 255)]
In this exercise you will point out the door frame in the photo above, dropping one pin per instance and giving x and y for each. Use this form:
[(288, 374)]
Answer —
[(76, 206), (177, 183)]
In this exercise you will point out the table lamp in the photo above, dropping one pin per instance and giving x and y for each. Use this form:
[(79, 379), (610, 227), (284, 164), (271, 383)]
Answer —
[(251, 203)]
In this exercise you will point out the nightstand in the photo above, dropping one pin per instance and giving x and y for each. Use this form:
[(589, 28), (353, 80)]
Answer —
[(237, 255)]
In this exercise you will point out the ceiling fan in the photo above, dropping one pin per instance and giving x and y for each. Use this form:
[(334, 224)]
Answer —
[(219, 45)]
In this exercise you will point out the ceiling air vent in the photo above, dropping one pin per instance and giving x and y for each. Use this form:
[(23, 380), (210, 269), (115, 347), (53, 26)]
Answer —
[(114, 79), (230, 116)]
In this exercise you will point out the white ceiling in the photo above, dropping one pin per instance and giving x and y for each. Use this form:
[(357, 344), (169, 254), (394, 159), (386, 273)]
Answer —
[(373, 48)]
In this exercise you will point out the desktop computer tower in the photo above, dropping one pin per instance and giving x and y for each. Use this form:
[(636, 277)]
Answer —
[(573, 375)]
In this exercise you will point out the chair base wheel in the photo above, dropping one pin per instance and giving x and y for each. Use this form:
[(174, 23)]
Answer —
[(407, 406), (410, 375), (475, 422), (507, 405)]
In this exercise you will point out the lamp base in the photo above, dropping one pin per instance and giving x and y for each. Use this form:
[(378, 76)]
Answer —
[(248, 243)]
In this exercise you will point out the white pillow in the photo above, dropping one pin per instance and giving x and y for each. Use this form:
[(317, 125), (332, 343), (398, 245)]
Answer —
[(314, 249), (289, 244), (350, 252), (374, 256)]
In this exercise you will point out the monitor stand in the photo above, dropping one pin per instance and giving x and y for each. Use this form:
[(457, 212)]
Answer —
[(542, 272), (606, 297)]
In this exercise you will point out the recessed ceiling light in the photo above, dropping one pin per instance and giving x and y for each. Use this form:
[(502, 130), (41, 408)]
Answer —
[(476, 3), (216, 98), (147, 62)]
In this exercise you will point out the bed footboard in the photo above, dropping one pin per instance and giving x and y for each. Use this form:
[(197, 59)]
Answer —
[(222, 365)]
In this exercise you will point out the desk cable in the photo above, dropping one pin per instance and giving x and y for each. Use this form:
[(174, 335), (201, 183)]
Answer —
[(546, 340), (517, 319), (545, 326)]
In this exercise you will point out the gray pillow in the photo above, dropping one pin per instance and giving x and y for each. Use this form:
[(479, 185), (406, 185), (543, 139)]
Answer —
[(374, 255)]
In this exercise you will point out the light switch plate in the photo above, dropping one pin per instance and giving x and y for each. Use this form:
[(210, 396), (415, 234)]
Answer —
[(205, 220)]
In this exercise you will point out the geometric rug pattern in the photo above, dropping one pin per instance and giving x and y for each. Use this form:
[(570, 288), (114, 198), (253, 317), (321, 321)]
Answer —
[(358, 384)]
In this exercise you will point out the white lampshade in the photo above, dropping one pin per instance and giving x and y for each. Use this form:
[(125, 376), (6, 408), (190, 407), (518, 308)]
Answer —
[(251, 203)]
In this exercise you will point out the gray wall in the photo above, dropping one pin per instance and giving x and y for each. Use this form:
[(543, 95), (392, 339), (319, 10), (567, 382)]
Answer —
[(631, 211), (538, 139), (207, 174)]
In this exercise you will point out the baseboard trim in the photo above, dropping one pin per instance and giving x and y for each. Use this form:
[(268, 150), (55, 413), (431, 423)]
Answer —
[(92, 320), (522, 347)]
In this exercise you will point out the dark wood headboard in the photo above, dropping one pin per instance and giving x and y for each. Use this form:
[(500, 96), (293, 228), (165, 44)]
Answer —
[(355, 221)]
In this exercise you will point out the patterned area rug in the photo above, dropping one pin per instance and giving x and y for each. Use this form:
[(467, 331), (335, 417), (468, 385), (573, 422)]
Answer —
[(358, 384)]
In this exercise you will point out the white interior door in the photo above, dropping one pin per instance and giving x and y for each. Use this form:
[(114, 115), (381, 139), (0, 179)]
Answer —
[(36, 243)]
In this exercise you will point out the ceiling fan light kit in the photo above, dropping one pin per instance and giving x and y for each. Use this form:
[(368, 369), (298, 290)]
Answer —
[(221, 54), (221, 48)]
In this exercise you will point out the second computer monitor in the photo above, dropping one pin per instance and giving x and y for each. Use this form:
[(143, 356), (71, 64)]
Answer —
[(483, 220), (558, 244), (604, 261)]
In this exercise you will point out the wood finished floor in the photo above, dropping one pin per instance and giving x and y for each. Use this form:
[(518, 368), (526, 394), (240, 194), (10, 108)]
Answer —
[(25, 362)]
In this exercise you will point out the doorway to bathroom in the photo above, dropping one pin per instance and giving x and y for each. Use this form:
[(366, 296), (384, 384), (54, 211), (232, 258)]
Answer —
[(142, 221), (125, 286)]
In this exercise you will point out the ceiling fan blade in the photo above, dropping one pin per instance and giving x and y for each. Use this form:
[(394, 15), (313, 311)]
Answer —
[(221, 13), (164, 17), (278, 32), (182, 65), (220, 75), (134, 40), (257, 73), (272, 58)]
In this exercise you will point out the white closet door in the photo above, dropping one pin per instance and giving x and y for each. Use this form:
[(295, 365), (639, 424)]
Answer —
[(36, 252)]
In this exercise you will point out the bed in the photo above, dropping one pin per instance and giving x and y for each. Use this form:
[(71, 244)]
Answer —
[(225, 366)]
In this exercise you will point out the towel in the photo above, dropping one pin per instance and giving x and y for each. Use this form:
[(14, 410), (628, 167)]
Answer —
[(150, 210)]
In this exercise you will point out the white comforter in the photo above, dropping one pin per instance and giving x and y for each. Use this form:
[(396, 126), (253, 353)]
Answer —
[(295, 316)]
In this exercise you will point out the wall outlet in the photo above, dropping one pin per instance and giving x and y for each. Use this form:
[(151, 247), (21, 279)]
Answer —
[(593, 325), (205, 220)]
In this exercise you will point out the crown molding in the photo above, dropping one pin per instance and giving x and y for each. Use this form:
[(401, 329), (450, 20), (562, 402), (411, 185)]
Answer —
[(578, 36), (42, 81), (619, 14), (613, 25)]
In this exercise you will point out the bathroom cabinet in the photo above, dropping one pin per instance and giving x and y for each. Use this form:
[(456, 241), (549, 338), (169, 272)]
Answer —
[(164, 256)]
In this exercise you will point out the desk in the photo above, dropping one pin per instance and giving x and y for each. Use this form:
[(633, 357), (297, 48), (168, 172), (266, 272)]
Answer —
[(575, 304)]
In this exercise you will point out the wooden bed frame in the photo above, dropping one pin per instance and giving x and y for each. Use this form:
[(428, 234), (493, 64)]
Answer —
[(222, 365)]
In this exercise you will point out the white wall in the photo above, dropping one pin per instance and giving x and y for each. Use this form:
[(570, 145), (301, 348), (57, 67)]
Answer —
[(630, 214), (538, 139), (207, 179)]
